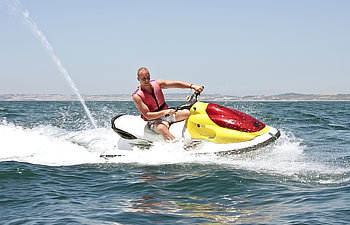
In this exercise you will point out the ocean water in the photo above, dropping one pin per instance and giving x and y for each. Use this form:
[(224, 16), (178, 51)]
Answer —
[(51, 172)]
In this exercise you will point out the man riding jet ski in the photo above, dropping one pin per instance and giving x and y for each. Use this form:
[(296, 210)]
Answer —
[(208, 128), (149, 101)]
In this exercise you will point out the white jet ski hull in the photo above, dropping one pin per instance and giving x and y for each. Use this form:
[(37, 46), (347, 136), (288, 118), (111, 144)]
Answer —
[(135, 133)]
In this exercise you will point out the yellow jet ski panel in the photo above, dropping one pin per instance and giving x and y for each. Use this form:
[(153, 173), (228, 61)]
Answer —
[(229, 126)]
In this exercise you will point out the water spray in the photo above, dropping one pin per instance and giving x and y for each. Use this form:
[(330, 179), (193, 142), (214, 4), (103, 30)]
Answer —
[(15, 7)]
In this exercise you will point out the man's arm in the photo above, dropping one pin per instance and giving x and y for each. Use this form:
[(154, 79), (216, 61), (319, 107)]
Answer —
[(164, 84), (143, 109)]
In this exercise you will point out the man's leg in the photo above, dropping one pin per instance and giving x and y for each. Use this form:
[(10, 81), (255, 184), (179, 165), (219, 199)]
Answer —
[(163, 129), (182, 115)]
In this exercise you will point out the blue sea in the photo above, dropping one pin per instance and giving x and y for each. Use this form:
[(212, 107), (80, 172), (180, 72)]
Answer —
[(51, 171)]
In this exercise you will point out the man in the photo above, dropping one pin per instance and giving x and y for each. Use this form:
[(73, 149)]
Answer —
[(149, 101)]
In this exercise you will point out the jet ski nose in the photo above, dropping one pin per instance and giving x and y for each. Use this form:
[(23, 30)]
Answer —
[(233, 119)]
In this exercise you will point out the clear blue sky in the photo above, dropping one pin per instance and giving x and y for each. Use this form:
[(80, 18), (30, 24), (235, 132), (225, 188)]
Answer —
[(232, 47)]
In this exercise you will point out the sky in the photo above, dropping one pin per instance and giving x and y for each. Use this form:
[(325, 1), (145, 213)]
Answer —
[(239, 48)]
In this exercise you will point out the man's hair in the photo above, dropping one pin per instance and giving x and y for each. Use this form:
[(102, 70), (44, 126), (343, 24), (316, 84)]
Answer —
[(139, 70)]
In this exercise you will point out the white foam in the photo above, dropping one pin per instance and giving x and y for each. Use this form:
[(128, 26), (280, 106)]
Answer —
[(52, 146), (162, 153), (47, 146), (286, 158)]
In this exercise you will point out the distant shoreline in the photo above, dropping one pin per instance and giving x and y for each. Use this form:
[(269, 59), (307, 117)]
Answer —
[(290, 97)]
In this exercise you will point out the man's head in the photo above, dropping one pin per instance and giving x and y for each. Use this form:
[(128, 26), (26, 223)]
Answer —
[(143, 76)]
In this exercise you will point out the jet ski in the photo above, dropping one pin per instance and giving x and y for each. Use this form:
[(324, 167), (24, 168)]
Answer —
[(210, 128)]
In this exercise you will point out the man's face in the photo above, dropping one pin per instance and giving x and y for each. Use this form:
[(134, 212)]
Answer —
[(144, 78)]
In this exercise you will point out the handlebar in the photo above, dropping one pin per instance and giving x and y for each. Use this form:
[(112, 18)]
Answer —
[(193, 99)]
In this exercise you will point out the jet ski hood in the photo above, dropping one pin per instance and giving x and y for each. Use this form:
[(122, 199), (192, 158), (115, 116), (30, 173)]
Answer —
[(233, 119)]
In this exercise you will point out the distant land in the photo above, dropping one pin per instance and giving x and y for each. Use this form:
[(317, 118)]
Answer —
[(179, 97)]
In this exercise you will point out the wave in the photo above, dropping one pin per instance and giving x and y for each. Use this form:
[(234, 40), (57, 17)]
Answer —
[(52, 146)]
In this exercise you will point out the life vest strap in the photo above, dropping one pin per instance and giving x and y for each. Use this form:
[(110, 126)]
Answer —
[(160, 108)]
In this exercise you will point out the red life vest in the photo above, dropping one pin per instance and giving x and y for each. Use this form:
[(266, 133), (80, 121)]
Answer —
[(155, 102)]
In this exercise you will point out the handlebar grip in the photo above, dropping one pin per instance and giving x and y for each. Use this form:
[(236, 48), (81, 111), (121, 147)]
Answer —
[(190, 102), (197, 92)]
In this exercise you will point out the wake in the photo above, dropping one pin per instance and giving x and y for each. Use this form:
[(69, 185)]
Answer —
[(52, 146)]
